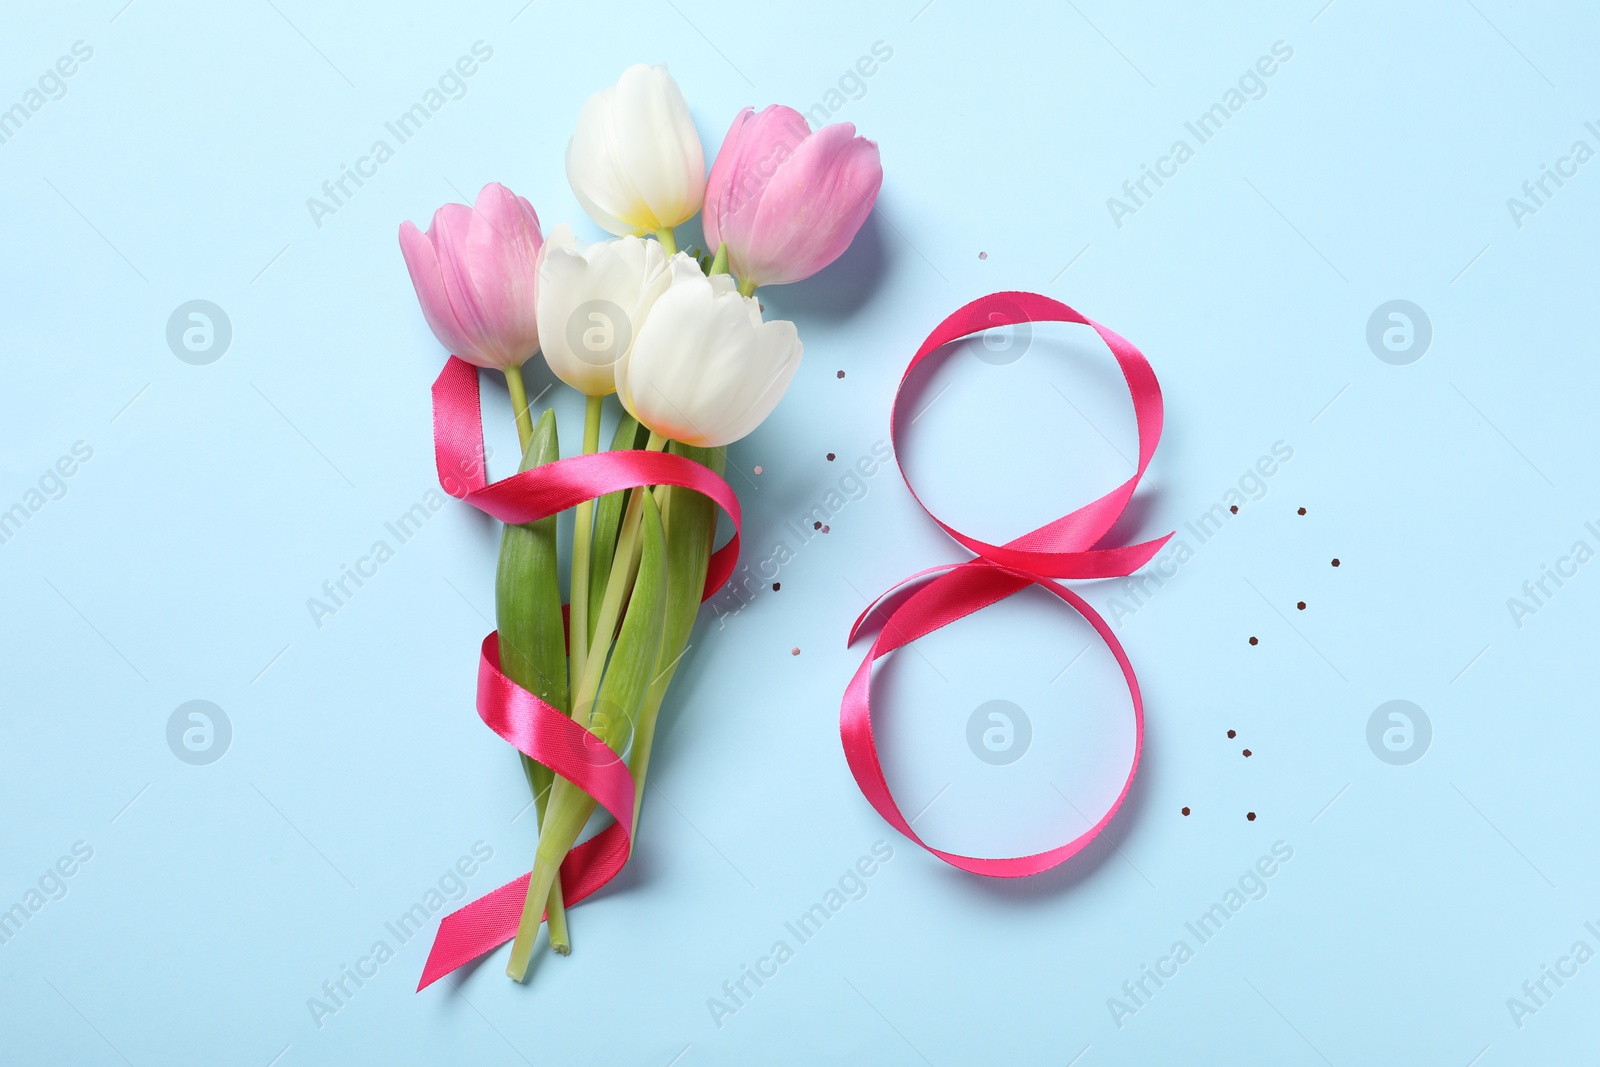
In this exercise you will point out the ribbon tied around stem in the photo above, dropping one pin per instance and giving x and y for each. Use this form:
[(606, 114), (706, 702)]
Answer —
[(532, 726)]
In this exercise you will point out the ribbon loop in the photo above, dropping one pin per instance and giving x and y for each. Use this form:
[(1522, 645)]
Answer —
[(538, 493), (1064, 548)]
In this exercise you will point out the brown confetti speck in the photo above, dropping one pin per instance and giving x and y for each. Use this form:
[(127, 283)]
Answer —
[(1233, 733), (1186, 811), (1247, 753), (1301, 605), (816, 525), (776, 586), (1234, 508), (1302, 511), (1336, 562), (1250, 815), (839, 375), (831, 457), (1255, 641)]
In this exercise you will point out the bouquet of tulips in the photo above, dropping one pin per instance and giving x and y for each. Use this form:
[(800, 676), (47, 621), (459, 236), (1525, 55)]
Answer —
[(680, 340)]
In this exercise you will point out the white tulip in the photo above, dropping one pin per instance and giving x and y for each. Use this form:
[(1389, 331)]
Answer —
[(591, 302), (635, 160), (705, 370)]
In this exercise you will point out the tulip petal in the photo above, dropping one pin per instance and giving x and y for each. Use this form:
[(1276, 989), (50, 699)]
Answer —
[(502, 247), (705, 370), (635, 161), (476, 276), (657, 144), (592, 302), (603, 190), (451, 230), (780, 350), (422, 262), (756, 146), (725, 173), (812, 207)]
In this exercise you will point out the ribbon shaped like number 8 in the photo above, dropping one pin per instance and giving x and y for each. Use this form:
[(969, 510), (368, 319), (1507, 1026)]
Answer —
[(1064, 548)]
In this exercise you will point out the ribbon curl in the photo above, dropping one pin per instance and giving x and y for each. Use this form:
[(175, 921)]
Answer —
[(1063, 548), (540, 731)]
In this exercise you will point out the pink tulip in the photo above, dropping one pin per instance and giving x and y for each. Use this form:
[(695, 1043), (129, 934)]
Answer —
[(475, 272), (787, 201)]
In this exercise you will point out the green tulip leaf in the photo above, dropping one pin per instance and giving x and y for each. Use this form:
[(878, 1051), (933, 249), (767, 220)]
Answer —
[(527, 599)]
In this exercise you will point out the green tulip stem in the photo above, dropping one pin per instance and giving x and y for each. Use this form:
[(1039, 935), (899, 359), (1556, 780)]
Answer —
[(747, 288), (668, 239), (582, 538), (687, 564), (556, 904), (533, 651), (519, 405), (623, 567), (610, 715), (719, 265)]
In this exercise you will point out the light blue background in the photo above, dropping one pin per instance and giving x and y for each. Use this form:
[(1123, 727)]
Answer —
[(178, 563)]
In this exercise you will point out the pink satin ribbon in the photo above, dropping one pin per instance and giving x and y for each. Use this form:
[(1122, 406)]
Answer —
[(521, 718), (1064, 548)]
